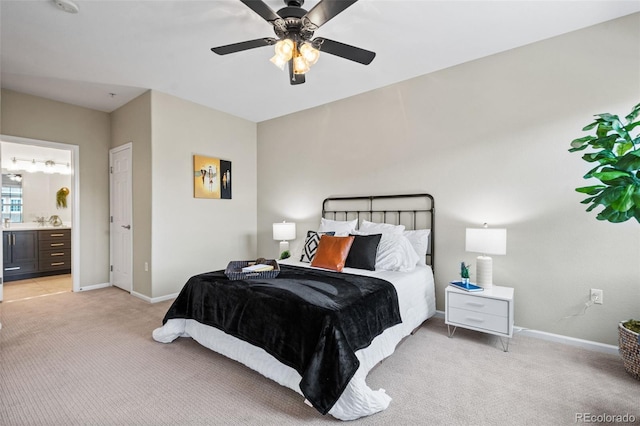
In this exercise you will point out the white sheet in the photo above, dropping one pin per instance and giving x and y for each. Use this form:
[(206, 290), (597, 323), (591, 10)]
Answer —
[(416, 297)]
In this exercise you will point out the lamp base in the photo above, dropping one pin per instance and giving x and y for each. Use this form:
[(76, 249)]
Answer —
[(284, 246), (484, 271)]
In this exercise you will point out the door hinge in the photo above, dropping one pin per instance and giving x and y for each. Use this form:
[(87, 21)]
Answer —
[(111, 268), (111, 219), (111, 169)]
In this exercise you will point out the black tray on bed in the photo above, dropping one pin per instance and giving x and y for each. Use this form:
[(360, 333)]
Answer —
[(234, 270)]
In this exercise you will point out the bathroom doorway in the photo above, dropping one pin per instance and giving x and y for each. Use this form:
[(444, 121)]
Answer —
[(40, 206)]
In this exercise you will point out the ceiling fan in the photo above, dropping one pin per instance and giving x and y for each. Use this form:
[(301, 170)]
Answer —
[(294, 28)]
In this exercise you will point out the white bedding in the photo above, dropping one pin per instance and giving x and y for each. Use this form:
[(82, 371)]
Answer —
[(416, 297)]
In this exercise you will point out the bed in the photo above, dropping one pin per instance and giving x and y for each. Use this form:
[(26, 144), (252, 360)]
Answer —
[(363, 312)]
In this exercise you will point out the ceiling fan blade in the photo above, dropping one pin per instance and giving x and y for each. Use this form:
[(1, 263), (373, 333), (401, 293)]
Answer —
[(261, 9), (345, 51), (244, 45), (295, 79), (325, 10)]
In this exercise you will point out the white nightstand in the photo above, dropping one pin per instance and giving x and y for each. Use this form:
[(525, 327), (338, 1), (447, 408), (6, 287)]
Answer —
[(489, 311)]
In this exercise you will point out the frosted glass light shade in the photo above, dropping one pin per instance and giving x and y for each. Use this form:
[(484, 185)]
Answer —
[(300, 65), (284, 231), (309, 53), (284, 48)]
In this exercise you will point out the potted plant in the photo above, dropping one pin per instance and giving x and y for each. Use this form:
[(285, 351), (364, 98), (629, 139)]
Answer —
[(464, 272), (615, 150), (629, 346)]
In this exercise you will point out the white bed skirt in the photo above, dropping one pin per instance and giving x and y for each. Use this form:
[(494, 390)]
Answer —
[(416, 297)]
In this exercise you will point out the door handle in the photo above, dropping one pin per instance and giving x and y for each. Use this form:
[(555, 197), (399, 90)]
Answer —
[(126, 226)]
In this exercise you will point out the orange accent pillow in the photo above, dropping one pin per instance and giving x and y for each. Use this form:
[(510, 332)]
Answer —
[(332, 252)]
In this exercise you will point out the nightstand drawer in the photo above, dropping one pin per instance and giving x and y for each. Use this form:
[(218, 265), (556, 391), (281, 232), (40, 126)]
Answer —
[(476, 303), (478, 320)]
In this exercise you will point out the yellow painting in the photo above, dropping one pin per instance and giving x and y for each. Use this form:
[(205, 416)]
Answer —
[(211, 177)]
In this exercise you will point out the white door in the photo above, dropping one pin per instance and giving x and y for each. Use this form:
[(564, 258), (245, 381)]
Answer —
[(121, 233)]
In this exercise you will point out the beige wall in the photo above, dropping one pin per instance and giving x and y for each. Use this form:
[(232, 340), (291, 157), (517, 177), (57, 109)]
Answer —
[(177, 234), (489, 140), (37, 118), (192, 235), (132, 123)]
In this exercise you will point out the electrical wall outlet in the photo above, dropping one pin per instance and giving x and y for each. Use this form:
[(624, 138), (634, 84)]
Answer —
[(597, 296)]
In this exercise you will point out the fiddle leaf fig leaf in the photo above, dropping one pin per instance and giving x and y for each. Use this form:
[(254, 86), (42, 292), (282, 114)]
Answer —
[(610, 175), (630, 161), (629, 127), (608, 117), (577, 143), (633, 114), (589, 126), (624, 202), (623, 147), (603, 157), (591, 190)]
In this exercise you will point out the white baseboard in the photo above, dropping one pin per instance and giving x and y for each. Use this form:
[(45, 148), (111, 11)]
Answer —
[(573, 341), (154, 299), (94, 287), (133, 293), (558, 338)]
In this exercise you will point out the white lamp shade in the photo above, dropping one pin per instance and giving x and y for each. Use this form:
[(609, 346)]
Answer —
[(284, 231), (486, 240)]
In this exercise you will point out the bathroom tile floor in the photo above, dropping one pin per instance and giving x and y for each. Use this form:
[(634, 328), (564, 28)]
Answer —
[(36, 287)]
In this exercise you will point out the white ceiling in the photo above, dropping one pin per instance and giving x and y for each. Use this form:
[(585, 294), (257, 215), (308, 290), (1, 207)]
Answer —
[(128, 47)]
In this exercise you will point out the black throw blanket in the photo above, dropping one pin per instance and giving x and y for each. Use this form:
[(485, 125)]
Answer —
[(313, 321)]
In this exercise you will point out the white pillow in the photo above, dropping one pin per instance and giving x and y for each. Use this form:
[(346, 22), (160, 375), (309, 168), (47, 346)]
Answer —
[(395, 253), (419, 239), (380, 228), (341, 228)]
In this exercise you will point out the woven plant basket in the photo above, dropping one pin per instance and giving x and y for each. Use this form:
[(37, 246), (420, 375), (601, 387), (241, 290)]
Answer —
[(629, 350)]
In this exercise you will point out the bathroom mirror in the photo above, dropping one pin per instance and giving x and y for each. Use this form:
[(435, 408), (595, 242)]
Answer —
[(12, 208)]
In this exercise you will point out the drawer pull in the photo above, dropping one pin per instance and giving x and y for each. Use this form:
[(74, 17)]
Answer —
[(57, 263), (15, 268), (56, 244), (56, 235), (476, 304), (475, 319), (57, 254)]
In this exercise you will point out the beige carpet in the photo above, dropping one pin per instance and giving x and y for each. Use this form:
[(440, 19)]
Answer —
[(89, 359)]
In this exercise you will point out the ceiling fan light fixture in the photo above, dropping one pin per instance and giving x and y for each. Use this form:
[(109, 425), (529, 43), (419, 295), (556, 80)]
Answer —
[(279, 61), (284, 48), (310, 53), (300, 65)]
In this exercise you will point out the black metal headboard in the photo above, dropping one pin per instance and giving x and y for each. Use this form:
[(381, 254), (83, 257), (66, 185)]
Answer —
[(414, 211)]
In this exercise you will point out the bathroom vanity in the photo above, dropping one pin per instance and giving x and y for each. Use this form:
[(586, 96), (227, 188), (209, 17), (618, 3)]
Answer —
[(36, 251)]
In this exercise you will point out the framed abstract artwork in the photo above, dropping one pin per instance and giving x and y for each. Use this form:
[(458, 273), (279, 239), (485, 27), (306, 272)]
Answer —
[(211, 177)]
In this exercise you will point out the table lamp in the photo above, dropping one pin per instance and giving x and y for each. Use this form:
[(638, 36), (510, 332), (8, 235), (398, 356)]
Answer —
[(486, 241), (284, 231)]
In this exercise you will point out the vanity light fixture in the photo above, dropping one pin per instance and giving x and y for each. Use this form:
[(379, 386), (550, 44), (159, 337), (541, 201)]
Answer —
[(35, 166)]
